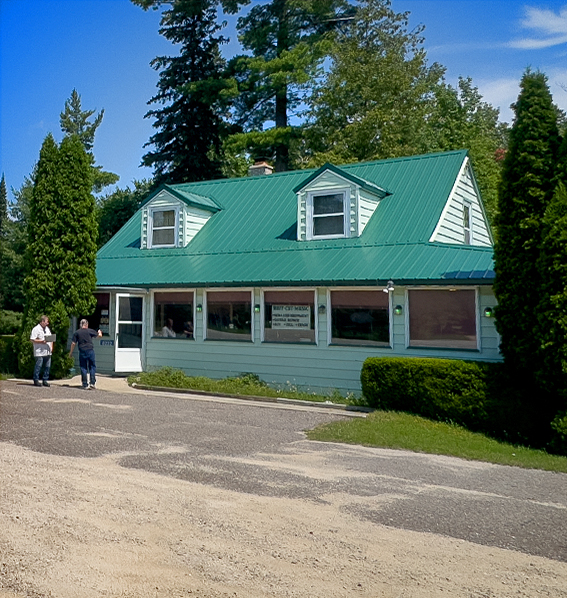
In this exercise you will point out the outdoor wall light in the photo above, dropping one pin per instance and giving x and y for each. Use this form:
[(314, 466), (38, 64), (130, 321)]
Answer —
[(257, 309), (488, 312), (389, 288), (199, 307), (321, 309), (398, 310)]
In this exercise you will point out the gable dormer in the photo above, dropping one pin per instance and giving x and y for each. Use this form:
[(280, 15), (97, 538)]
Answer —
[(334, 204), (463, 220), (172, 216)]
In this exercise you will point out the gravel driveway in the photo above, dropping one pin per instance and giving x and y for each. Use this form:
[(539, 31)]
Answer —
[(142, 494)]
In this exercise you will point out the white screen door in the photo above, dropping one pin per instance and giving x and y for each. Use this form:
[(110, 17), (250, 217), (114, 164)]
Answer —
[(129, 333)]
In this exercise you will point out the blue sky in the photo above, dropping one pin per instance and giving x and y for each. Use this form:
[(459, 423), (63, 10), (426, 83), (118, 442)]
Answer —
[(103, 49)]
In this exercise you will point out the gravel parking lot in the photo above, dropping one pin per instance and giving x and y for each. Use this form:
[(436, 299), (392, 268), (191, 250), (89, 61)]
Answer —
[(131, 494)]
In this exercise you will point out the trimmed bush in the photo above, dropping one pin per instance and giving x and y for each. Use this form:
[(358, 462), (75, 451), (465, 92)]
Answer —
[(480, 396), (439, 389), (10, 322), (8, 355), (558, 441)]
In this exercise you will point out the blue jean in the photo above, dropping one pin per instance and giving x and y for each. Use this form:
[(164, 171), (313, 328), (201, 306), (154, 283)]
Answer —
[(45, 362), (87, 365)]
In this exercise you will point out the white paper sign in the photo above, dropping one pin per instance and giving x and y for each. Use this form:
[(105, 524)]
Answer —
[(291, 317)]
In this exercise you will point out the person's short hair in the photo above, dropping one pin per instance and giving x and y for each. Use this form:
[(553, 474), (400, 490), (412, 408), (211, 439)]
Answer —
[(43, 319), (83, 322)]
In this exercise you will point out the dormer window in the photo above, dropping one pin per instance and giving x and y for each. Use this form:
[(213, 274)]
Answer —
[(335, 204), (163, 225), (328, 215)]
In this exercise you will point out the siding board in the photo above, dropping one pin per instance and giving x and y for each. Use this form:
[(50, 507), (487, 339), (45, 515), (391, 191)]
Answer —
[(317, 368), (450, 226)]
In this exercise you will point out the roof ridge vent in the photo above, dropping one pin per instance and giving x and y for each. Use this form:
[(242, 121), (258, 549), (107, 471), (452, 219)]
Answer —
[(260, 168)]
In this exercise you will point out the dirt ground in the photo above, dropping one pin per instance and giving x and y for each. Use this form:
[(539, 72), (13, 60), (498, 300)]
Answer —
[(82, 528)]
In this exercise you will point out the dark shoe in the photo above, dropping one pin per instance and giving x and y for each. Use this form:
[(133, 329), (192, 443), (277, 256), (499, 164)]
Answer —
[(37, 383), (93, 387), (46, 383), (85, 387)]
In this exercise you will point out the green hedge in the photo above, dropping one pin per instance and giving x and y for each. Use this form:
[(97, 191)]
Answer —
[(439, 389), (10, 322), (477, 395), (8, 355)]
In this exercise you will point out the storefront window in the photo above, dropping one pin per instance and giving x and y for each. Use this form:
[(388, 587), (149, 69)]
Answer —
[(229, 315), (442, 318), (99, 319), (173, 315), (289, 317), (359, 318)]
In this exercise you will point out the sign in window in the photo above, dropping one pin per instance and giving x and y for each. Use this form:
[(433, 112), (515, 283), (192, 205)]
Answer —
[(289, 316)]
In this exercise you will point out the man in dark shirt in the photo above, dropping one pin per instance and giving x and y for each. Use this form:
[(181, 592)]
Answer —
[(84, 338)]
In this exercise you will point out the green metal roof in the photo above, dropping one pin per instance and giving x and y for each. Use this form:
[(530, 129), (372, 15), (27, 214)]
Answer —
[(251, 241)]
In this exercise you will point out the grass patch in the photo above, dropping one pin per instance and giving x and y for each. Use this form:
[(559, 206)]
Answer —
[(246, 384), (385, 429), (390, 429)]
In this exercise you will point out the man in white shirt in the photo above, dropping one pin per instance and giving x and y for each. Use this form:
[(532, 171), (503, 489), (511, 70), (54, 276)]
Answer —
[(42, 350)]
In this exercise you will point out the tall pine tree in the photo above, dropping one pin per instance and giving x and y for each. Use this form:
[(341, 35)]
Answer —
[(189, 124), (287, 41), (526, 191), (75, 121), (3, 234), (3, 206), (15, 248), (552, 321), (61, 250)]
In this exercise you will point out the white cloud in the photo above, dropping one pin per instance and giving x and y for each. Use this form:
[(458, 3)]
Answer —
[(501, 93), (536, 44), (545, 20), (548, 26)]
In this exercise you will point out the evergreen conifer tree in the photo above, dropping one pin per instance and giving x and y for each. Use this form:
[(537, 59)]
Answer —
[(552, 321), (287, 41), (61, 250), (75, 121), (189, 124), (3, 206), (3, 231), (526, 191), (15, 241)]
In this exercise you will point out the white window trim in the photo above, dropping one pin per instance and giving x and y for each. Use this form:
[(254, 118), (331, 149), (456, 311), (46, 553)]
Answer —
[(346, 191), (284, 289), (153, 306), (227, 290), (151, 212), (328, 307), (442, 288), (469, 227)]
